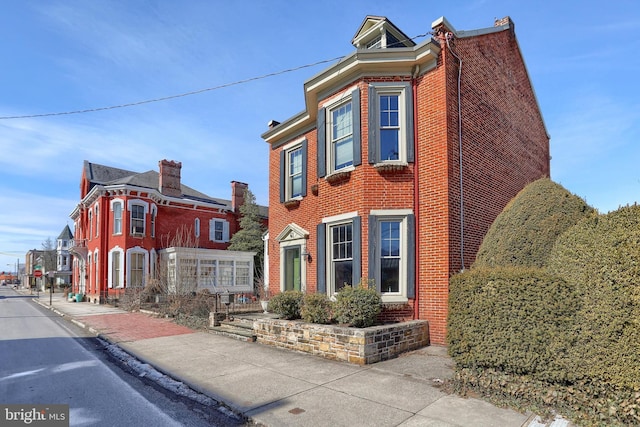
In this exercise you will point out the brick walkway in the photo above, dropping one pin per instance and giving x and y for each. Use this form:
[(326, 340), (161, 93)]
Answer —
[(124, 327)]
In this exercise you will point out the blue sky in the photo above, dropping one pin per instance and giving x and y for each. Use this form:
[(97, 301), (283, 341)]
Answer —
[(70, 55)]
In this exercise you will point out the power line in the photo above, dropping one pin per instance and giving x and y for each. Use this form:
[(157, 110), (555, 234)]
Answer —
[(165, 98), (195, 92)]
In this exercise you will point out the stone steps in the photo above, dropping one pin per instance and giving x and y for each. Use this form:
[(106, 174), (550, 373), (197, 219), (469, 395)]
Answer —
[(239, 329)]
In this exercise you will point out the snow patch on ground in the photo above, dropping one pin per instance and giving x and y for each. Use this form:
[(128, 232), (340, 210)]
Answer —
[(168, 383)]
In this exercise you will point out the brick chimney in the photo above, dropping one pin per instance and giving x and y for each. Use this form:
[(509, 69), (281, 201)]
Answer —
[(169, 181), (504, 21), (237, 194)]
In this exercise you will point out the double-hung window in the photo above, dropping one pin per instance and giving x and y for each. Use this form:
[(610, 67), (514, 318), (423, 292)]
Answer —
[(341, 138), (293, 172), (390, 123), (219, 230), (90, 223), (136, 269), (389, 127), (392, 253), (117, 218), (97, 209), (116, 269), (339, 135), (341, 255), (137, 219), (339, 252)]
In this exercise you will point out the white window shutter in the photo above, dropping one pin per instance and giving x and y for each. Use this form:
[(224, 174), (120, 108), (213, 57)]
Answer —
[(225, 231)]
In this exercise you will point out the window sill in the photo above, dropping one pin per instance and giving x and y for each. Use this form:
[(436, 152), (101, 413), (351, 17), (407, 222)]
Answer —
[(138, 235), (394, 299), (339, 177), (391, 167)]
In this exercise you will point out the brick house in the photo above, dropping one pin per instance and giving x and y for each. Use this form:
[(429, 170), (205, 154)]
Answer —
[(403, 157), (131, 228)]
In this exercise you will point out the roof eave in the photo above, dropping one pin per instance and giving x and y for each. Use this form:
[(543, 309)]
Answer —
[(360, 63)]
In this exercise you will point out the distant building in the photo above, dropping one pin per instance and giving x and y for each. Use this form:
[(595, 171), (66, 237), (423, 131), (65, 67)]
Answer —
[(404, 155), (64, 257), (132, 228), (33, 261)]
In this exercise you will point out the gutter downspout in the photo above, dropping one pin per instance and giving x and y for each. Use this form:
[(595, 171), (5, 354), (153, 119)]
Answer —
[(416, 193), (448, 37)]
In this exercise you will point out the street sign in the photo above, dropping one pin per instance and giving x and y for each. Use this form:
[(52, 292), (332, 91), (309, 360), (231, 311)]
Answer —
[(37, 273), (37, 267)]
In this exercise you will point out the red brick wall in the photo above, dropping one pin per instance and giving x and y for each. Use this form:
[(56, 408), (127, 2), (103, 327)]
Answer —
[(504, 143), (504, 146)]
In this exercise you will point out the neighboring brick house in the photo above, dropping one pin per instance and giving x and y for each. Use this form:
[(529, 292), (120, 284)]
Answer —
[(133, 227), (403, 157)]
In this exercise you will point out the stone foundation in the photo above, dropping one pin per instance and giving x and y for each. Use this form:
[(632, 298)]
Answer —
[(360, 346)]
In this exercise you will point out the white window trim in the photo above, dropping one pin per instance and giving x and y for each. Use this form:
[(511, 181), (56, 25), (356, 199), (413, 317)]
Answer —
[(90, 215), (145, 267), (401, 216), (96, 269), (340, 218), (196, 227), (111, 205), (153, 256), (389, 88), (175, 255), (96, 210), (145, 205), (110, 266)]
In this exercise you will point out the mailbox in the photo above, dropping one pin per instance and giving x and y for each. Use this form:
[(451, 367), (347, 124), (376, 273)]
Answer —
[(226, 298)]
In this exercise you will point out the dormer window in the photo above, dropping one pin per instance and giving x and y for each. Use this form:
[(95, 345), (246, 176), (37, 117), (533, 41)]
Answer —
[(377, 32)]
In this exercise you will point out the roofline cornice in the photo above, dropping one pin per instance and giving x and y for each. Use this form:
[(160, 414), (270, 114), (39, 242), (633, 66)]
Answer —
[(361, 63), (155, 195)]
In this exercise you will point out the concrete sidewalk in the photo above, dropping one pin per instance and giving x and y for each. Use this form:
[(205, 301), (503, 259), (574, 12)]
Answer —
[(275, 387)]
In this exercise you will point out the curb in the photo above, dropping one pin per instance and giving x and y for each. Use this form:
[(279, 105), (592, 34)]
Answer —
[(222, 406)]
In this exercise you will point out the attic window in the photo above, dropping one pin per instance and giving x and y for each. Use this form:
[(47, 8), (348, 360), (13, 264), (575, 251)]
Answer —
[(375, 43)]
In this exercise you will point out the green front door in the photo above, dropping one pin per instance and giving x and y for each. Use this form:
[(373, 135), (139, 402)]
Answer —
[(292, 277)]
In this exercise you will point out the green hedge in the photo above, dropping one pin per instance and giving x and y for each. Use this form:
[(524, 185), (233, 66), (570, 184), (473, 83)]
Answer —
[(601, 258), (287, 304), (566, 336), (515, 320), (316, 308), (358, 306), (525, 231)]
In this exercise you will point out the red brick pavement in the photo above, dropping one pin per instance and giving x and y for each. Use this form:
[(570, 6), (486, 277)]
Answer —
[(133, 326)]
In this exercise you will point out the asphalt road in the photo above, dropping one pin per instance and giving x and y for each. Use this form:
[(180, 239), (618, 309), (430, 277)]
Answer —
[(47, 360)]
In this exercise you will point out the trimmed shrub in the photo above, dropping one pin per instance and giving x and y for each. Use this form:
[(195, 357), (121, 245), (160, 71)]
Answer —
[(601, 258), (287, 304), (515, 320), (525, 231), (316, 308), (357, 306)]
